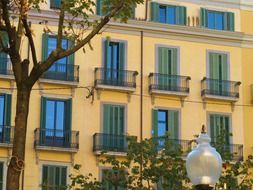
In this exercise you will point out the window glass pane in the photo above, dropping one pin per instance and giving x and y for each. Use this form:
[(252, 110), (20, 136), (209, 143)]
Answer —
[(162, 122), (1, 111), (50, 116), (211, 20), (162, 14), (60, 115), (219, 21), (161, 116), (171, 15)]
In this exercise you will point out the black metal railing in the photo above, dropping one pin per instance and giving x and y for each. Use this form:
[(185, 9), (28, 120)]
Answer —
[(114, 77), (56, 138), (182, 147), (109, 142), (165, 82), (220, 87), (6, 134), (5, 66), (63, 72), (229, 151), (55, 4)]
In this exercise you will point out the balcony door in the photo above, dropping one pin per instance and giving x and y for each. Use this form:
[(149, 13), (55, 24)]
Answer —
[(114, 62), (114, 127), (165, 123), (5, 114), (55, 129), (4, 60), (218, 73), (63, 69), (168, 69)]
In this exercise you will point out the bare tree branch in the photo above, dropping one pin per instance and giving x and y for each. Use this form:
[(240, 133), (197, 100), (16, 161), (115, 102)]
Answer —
[(28, 33)]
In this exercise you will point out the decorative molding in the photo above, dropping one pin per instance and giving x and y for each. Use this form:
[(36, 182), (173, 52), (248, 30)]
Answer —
[(159, 30)]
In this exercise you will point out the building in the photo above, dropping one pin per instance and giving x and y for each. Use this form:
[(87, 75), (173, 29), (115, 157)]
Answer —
[(178, 63)]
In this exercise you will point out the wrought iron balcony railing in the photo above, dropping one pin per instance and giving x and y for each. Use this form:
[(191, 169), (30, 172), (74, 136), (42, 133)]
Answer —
[(6, 134), (222, 88), (63, 72), (56, 138), (5, 66), (114, 77), (108, 142), (227, 151), (165, 82)]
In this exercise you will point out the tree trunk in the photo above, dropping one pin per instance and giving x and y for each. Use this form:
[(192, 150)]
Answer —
[(18, 153)]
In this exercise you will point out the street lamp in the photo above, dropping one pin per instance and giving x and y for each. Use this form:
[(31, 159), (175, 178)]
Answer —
[(203, 163)]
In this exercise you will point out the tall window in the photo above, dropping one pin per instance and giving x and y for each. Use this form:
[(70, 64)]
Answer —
[(217, 20), (114, 61), (218, 73), (55, 4), (63, 69), (55, 122), (167, 14), (219, 126), (114, 127), (108, 174), (5, 117), (54, 177), (165, 121)]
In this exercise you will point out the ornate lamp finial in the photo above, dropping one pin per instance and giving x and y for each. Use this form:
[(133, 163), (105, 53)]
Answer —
[(203, 129)]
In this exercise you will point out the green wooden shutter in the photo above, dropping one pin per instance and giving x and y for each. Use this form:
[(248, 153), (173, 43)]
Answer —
[(44, 176), (106, 119), (44, 46), (71, 58), (8, 100), (230, 21), (122, 55), (99, 6), (68, 112), (1, 175), (63, 176), (181, 15), (203, 14), (154, 123), (173, 124), (5, 40), (106, 56), (154, 12), (43, 112), (174, 61), (133, 12), (224, 66), (212, 127)]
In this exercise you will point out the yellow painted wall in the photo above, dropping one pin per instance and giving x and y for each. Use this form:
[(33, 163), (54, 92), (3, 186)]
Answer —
[(86, 116)]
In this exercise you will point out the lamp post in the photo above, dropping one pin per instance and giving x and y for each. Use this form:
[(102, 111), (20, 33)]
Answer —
[(203, 163)]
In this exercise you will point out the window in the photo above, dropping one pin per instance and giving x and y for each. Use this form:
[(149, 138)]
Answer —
[(63, 69), (1, 175), (5, 64), (218, 73), (114, 62), (168, 14), (168, 68), (165, 121), (55, 4), (219, 125), (5, 118), (114, 127), (108, 174), (55, 122), (217, 20), (99, 9), (54, 177)]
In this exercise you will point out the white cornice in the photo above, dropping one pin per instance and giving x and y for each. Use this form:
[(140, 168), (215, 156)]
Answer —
[(152, 29)]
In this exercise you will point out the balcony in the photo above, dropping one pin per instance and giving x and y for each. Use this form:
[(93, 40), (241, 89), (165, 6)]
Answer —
[(233, 152), (6, 136), (113, 79), (5, 68), (174, 85), (220, 89), (62, 73), (112, 144), (56, 140)]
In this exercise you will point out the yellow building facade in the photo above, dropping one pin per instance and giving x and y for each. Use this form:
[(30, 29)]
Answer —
[(185, 64)]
